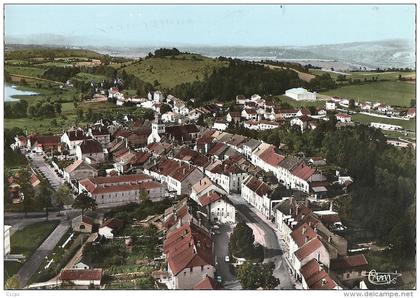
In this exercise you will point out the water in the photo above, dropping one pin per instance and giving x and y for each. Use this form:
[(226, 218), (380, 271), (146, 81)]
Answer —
[(10, 92)]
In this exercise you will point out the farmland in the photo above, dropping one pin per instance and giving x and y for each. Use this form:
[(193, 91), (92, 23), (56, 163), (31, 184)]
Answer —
[(171, 71), (396, 93)]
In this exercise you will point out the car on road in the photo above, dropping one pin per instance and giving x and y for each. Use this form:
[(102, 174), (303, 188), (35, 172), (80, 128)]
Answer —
[(219, 279), (227, 259)]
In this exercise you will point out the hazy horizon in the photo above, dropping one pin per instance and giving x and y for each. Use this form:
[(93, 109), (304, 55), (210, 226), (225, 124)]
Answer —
[(207, 25)]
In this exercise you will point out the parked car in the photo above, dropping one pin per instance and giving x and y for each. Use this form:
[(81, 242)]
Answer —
[(227, 259)]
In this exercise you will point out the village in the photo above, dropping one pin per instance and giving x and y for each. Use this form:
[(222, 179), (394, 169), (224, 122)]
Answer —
[(206, 182)]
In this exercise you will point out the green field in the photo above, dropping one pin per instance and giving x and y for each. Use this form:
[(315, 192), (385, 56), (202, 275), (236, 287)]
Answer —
[(49, 53), (406, 124), (87, 77), (25, 70), (26, 241), (170, 72), (388, 75), (394, 93)]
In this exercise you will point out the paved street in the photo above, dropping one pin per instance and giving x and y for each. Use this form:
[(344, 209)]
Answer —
[(53, 179), (272, 249), (221, 251), (32, 265)]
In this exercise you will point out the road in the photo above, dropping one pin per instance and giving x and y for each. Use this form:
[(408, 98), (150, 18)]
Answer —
[(39, 162), (221, 251), (272, 249), (32, 265)]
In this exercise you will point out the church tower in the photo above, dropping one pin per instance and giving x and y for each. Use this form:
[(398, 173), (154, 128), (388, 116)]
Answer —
[(158, 128)]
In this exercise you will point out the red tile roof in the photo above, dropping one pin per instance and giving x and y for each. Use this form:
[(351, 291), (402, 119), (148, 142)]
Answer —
[(209, 198), (182, 172), (207, 283), (121, 179), (77, 274), (133, 186), (349, 262), (258, 186), (303, 171), (316, 278), (303, 234), (271, 157), (113, 223), (186, 247), (91, 146), (308, 248)]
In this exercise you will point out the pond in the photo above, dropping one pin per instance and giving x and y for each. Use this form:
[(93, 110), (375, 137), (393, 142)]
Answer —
[(10, 93)]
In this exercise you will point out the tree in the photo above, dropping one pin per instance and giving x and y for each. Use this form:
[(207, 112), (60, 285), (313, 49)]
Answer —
[(84, 201), (57, 107), (256, 276), (64, 195), (44, 197), (143, 195), (241, 243), (351, 104)]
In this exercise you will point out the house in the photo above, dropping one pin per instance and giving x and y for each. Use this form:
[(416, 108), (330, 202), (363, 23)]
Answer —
[(343, 117), (219, 208), (249, 114), (351, 270), (88, 277), (74, 137), (330, 105), (109, 227), (384, 126), (234, 117), (300, 94), (79, 170), (182, 178), (203, 187), (262, 196), (82, 224), (189, 253), (220, 124), (35, 181), (240, 99), (249, 146), (130, 161), (301, 121), (366, 107), (227, 174), (317, 161), (121, 189), (287, 113), (44, 143), (169, 117), (100, 133), (182, 134), (314, 277), (83, 264), (384, 108), (179, 107), (411, 113), (91, 151)]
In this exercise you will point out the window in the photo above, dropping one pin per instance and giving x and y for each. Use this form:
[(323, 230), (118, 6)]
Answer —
[(348, 275)]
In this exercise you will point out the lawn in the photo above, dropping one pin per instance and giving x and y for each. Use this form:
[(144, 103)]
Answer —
[(41, 126), (26, 241), (394, 93), (406, 124), (170, 72)]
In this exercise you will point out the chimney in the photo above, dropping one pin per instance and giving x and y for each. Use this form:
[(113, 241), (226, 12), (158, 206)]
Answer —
[(323, 281), (306, 239), (303, 230)]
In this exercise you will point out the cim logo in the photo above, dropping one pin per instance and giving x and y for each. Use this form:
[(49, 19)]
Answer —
[(382, 278)]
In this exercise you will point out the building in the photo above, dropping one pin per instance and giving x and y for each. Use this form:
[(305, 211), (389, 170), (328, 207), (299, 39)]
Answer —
[(314, 277), (385, 126), (100, 133), (203, 187), (121, 189), (227, 174), (158, 129), (220, 124), (79, 170), (88, 277), (182, 178), (300, 94), (219, 208), (73, 137), (330, 105), (411, 113), (82, 224), (189, 253), (234, 117), (91, 151), (343, 117), (109, 227), (351, 270), (44, 143), (6, 239)]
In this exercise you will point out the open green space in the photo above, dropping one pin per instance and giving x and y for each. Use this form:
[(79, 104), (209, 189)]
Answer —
[(388, 75), (25, 70), (87, 77), (406, 124), (26, 241), (171, 71), (396, 93)]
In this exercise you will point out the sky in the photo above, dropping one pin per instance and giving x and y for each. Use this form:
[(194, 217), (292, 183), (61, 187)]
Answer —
[(209, 25)]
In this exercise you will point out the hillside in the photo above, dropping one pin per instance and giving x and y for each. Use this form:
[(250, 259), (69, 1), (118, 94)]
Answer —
[(174, 70), (41, 52)]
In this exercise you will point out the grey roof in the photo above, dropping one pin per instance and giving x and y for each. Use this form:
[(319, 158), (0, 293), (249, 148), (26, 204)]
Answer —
[(251, 143), (290, 162), (285, 206), (280, 192)]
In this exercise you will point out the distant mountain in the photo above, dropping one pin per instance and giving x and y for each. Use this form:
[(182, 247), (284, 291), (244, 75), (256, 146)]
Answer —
[(397, 53)]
